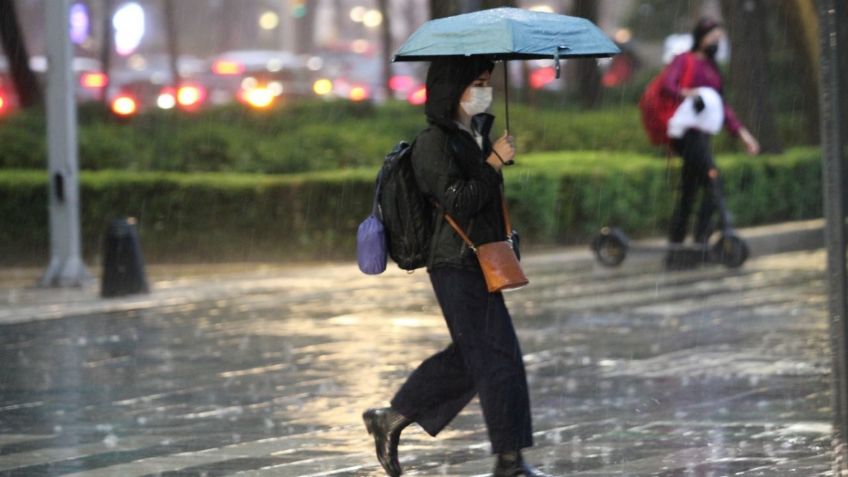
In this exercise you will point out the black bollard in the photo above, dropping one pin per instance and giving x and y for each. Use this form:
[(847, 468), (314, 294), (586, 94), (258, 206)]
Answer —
[(123, 263)]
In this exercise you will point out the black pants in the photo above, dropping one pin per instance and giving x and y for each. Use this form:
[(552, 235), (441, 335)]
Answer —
[(484, 358), (699, 172)]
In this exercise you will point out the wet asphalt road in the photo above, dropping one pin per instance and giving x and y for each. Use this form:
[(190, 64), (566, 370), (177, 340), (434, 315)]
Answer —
[(633, 372)]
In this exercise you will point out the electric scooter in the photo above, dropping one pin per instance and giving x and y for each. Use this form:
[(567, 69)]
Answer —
[(723, 246), (611, 246)]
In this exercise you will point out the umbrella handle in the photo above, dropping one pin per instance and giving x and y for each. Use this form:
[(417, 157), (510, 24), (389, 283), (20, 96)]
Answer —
[(556, 63), (556, 59)]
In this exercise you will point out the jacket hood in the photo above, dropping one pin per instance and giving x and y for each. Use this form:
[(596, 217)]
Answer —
[(447, 79)]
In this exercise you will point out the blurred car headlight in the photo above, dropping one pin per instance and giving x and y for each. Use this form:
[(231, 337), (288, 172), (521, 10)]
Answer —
[(166, 100), (322, 87), (358, 93), (275, 88), (259, 97), (124, 105), (189, 96), (94, 80)]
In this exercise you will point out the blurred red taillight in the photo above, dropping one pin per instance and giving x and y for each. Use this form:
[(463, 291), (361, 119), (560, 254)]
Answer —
[(401, 83), (541, 77), (417, 97)]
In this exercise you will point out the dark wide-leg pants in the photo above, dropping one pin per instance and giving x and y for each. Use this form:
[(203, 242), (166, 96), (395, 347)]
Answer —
[(699, 173), (484, 358)]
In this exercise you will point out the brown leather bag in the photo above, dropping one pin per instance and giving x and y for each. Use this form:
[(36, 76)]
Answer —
[(500, 265)]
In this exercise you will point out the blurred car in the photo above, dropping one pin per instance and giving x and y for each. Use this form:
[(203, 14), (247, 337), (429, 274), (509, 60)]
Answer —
[(90, 82), (358, 76), (8, 98), (542, 75), (258, 78), (141, 82)]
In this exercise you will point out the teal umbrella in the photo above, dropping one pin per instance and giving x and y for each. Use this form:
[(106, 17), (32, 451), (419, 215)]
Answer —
[(508, 34)]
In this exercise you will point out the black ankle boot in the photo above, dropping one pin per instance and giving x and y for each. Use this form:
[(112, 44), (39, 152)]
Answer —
[(511, 464), (386, 425)]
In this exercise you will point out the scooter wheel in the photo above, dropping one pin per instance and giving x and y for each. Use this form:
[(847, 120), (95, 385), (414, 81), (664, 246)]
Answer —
[(610, 247), (731, 251)]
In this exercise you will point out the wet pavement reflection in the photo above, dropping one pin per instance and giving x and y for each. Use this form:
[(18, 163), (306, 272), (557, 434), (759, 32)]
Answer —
[(633, 372)]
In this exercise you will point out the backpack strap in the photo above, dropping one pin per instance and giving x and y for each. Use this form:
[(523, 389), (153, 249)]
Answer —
[(375, 206), (688, 71), (378, 190)]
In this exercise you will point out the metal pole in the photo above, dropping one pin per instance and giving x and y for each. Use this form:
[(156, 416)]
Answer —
[(66, 267), (834, 189)]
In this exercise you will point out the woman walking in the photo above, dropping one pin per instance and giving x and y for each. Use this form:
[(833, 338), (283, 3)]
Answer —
[(687, 72), (457, 166)]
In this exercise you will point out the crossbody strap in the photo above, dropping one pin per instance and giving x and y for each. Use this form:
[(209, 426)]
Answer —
[(465, 237), (506, 215), (460, 232)]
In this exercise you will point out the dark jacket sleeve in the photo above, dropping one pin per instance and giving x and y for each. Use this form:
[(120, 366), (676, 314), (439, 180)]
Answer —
[(463, 190)]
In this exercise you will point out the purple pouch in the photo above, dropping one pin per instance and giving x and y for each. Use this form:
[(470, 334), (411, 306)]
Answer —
[(371, 246)]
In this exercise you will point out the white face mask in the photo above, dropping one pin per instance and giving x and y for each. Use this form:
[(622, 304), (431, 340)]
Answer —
[(481, 99)]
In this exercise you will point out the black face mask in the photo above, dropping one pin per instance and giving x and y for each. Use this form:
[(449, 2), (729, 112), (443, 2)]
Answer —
[(711, 50)]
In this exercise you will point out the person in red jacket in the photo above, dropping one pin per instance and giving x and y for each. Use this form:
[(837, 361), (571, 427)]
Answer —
[(699, 171)]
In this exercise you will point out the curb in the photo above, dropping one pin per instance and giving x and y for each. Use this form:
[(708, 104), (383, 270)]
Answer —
[(762, 240), (26, 304), (785, 237)]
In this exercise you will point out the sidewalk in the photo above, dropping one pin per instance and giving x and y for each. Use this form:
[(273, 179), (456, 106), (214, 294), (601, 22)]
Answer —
[(21, 301), (633, 372)]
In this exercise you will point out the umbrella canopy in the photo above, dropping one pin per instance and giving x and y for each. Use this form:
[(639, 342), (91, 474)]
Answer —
[(507, 34)]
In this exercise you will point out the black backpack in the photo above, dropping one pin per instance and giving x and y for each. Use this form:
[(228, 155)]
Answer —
[(404, 210)]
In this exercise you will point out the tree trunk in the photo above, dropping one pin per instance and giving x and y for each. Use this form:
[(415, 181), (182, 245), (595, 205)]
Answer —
[(444, 8), (749, 76), (842, 11), (586, 74), (14, 45), (799, 19), (172, 41), (486, 4), (341, 19)]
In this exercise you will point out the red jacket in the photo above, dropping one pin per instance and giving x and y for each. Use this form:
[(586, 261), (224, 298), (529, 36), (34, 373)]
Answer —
[(704, 73)]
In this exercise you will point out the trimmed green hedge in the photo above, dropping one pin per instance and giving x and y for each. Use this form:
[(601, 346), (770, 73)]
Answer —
[(555, 198), (310, 136), (566, 197)]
